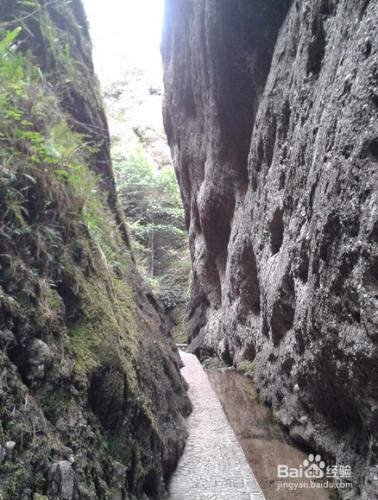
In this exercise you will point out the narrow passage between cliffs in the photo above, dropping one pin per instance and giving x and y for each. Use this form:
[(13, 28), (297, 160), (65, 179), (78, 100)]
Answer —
[(235, 443)]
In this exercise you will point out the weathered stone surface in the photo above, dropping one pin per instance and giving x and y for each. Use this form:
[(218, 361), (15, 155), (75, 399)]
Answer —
[(9, 447), (61, 478), (3, 454), (39, 359), (272, 123)]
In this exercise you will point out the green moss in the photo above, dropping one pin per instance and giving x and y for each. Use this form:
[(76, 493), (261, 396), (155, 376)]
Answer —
[(48, 308), (137, 463), (106, 333), (115, 446), (213, 363), (57, 49), (85, 345), (12, 487), (247, 368), (55, 403)]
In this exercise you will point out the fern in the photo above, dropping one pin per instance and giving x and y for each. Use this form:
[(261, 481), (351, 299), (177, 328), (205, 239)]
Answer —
[(7, 42)]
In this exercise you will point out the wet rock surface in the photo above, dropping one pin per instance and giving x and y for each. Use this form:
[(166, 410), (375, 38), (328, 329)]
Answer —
[(271, 115), (264, 441)]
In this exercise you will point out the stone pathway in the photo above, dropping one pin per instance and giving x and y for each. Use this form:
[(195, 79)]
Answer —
[(213, 466)]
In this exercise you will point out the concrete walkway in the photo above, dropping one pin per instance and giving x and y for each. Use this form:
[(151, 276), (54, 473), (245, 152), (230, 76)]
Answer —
[(213, 466)]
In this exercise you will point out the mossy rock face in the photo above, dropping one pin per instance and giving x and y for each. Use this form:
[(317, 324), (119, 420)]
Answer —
[(37, 496), (90, 378), (108, 395)]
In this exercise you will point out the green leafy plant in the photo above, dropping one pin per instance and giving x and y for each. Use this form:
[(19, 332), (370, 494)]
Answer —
[(37, 144), (152, 203), (213, 363), (247, 368)]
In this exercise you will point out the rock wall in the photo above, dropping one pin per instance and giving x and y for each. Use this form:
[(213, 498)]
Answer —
[(91, 399), (271, 115)]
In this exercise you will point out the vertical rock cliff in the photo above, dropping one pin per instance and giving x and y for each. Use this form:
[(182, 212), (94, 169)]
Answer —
[(91, 399), (271, 114)]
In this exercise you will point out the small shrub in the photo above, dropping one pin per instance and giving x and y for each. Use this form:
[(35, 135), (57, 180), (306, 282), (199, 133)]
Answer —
[(212, 363), (36, 144), (247, 368)]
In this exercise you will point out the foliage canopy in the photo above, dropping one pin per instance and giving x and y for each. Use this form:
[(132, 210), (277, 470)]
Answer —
[(152, 203)]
